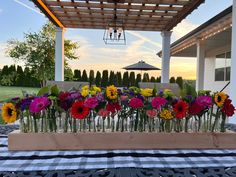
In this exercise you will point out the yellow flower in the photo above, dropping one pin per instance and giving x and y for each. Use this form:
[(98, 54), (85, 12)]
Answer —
[(111, 92), (166, 114), (85, 92), (168, 93), (220, 98), (147, 92), (9, 113), (97, 89), (86, 87)]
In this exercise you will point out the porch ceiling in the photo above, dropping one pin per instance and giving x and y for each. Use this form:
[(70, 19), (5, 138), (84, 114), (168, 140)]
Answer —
[(219, 40), (143, 15)]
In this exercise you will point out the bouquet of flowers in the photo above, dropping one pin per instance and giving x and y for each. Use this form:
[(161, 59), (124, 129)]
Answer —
[(118, 110)]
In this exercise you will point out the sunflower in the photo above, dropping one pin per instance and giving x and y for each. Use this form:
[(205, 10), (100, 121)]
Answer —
[(78, 110), (9, 113), (111, 92), (166, 114), (220, 98)]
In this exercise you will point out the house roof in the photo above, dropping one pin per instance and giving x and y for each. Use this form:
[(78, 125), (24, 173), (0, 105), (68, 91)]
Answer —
[(198, 32), (144, 15)]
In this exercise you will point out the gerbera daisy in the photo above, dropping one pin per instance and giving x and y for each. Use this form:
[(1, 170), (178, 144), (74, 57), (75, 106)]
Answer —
[(166, 114), (157, 102), (78, 110), (39, 104), (228, 108), (181, 109), (111, 92), (9, 113), (220, 98)]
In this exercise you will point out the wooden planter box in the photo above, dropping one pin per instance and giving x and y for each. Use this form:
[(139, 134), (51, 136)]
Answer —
[(118, 140)]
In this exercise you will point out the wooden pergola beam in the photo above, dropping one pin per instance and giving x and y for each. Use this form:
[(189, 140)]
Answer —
[(164, 14)]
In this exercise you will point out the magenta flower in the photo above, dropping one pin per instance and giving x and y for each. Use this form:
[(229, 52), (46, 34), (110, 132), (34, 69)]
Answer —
[(136, 103), (91, 102), (157, 102), (205, 101), (39, 104)]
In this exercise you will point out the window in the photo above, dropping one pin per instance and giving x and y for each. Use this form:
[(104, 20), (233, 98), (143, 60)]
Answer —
[(222, 67)]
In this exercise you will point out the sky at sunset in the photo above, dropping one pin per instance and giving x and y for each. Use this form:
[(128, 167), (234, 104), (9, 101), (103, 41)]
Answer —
[(19, 16)]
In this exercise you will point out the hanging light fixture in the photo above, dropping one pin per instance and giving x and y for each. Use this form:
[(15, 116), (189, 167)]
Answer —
[(114, 32)]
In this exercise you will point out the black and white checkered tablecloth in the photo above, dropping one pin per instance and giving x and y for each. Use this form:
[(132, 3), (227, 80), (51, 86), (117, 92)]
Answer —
[(92, 159)]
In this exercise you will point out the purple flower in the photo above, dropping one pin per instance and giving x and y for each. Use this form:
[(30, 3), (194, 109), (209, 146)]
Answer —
[(140, 97), (100, 97), (75, 95), (25, 103), (205, 101)]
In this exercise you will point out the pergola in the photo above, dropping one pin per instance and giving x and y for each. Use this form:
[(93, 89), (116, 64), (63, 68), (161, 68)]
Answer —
[(141, 15)]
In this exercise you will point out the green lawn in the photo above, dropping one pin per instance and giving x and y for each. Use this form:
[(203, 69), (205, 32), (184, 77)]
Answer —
[(10, 92)]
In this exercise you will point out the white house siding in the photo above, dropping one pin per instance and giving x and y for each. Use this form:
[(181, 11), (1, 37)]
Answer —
[(209, 80)]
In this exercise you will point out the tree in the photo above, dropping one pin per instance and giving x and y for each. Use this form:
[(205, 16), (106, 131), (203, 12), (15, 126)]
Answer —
[(119, 79), (91, 77), (138, 79), (126, 79), (68, 74), (145, 77), (172, 80), (84, 77), (111, 78), (37, 51), (132, 79), (180, 82), (158, 79), (20, 76), (104, 81), (153, 79), (98, 79), (77, 75)]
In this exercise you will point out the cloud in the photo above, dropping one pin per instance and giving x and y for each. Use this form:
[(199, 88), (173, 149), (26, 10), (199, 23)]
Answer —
[(28, 7), (4, 60), (138, 35), (183, 28)]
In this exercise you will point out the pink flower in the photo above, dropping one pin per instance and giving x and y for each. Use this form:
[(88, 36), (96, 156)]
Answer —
[(91, 102), (136, 103), (151, 113), (157, 102), (103, 113), (205, 101), (123, 97), (39, 104)]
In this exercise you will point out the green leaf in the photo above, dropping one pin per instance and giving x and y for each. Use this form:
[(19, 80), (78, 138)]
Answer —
[(43, 91), (55, 90)]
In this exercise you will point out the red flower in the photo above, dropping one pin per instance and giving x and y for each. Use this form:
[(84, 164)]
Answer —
[(113, 107), (181, 109), (78, 110), (195, 109), (228, 108)]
